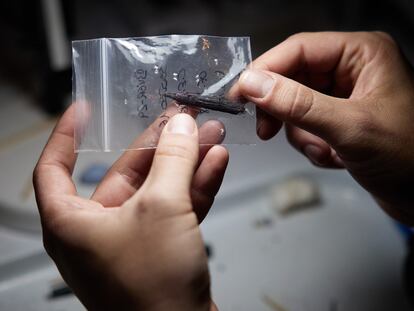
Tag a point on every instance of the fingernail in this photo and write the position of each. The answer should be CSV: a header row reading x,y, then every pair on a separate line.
x,y
256,83
181,123
314,153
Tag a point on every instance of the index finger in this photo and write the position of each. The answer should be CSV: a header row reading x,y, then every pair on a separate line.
x,y
52,175
319,52
322,57
316,52
129,172
175,158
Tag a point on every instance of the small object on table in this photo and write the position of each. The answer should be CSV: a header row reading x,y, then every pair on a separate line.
x,y
216,103
59,289
295,193
94,173
273,304
209,250
263,222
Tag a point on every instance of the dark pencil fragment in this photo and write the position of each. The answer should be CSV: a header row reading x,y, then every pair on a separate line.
x,y
208,102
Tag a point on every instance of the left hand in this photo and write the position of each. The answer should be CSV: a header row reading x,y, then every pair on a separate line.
x,y
136,243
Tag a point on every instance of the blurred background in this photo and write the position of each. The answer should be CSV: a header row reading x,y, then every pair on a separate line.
x,y
345,255
35,53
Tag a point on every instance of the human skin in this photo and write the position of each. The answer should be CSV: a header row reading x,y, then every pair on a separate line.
x,y
347,101
136,243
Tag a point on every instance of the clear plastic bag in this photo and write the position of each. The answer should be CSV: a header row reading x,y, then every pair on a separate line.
x,y
121,87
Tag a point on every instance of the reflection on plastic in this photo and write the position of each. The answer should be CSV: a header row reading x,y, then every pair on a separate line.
x,y
121,87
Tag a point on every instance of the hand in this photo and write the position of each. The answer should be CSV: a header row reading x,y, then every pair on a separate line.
x,y
136,243
347,100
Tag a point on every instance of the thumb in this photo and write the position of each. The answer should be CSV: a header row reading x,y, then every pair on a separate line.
x,y
295,103
176,158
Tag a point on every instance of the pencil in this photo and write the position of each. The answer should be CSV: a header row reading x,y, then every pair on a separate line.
x,y
208,102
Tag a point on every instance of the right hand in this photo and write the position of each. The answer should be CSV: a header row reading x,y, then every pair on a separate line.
x,y
347,100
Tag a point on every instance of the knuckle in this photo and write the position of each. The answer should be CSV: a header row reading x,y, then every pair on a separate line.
x,y
384,36
372,45
297,36
300,100
179,151
366,35
156,196
157,203
150,197
378,39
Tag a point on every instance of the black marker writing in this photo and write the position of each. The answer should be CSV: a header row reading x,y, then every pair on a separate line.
x,y
163,88
182,82
201,79
164,120
141,76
